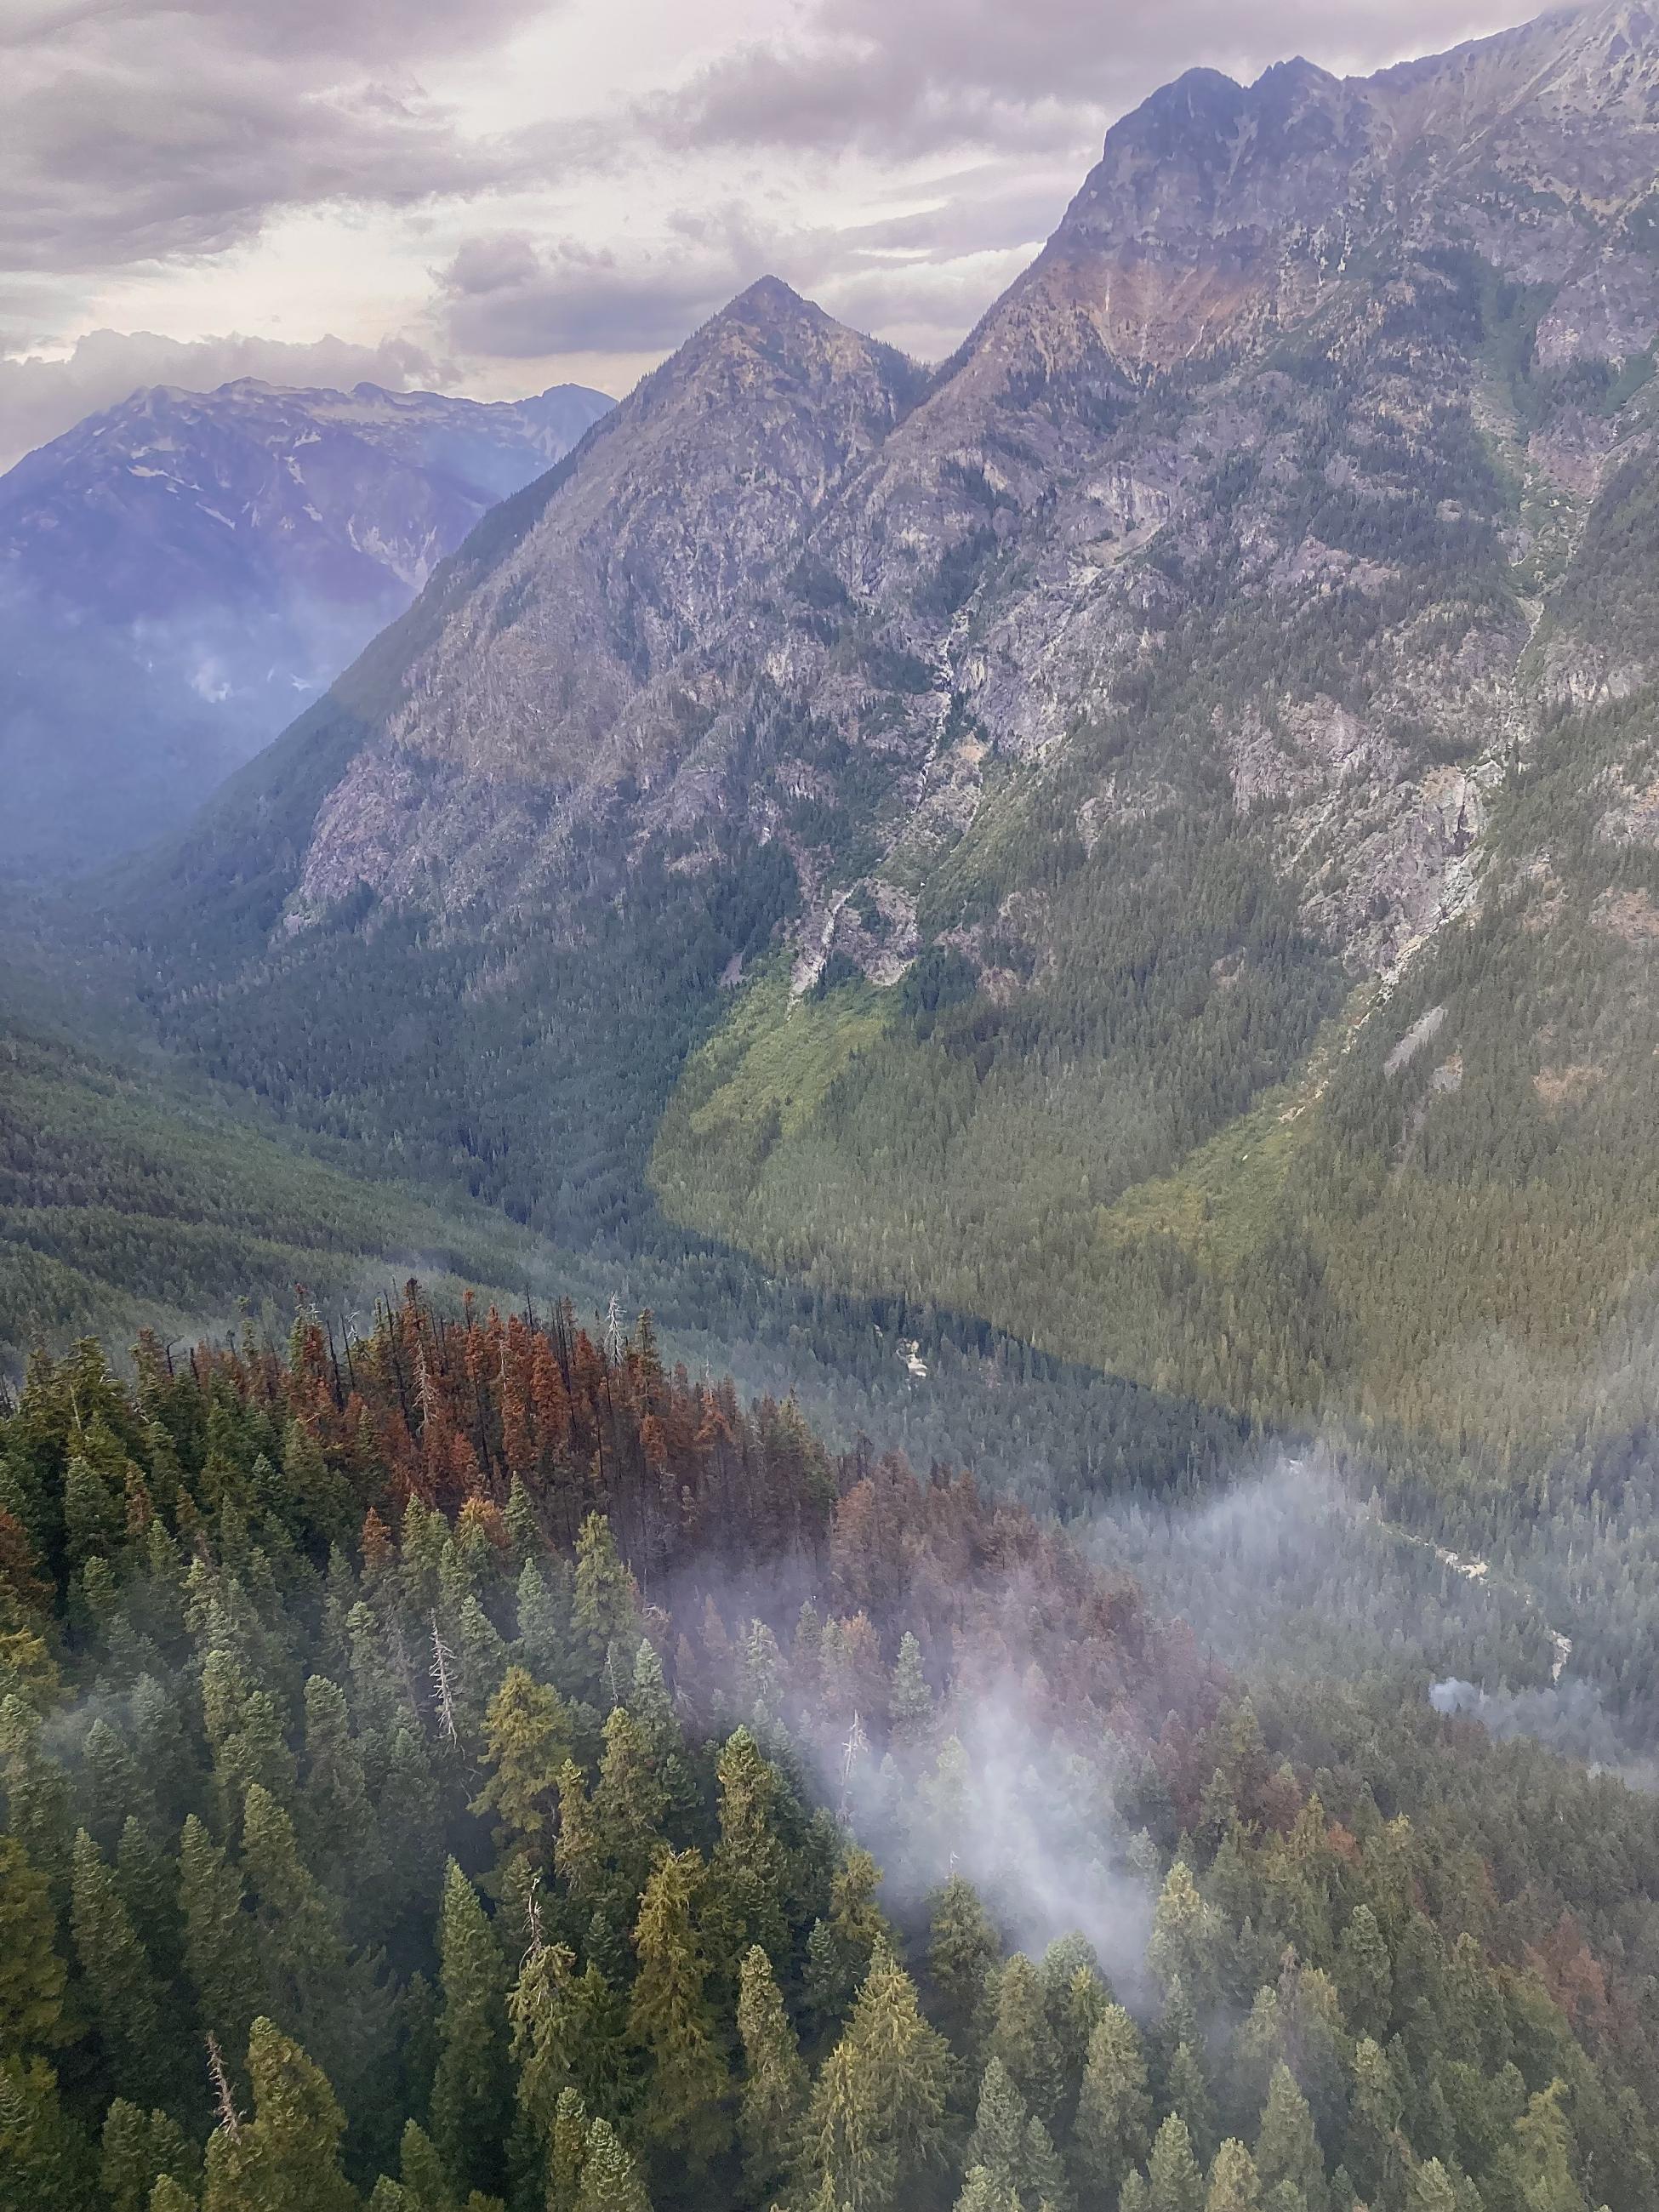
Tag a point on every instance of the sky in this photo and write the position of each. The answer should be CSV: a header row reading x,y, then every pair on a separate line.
x,y
493,196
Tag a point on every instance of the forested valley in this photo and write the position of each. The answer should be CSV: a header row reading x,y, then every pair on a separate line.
x,y
473,1765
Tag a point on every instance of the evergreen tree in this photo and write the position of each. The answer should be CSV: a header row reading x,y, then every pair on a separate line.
x,y
961,1952
1363,1975
1286,2148
287,2157
1174,2183
31,1972
221,1954
843,1943
302,1953
998,2142
567,2152
1235,2186
610,2181
604,1610
1022,2038
749,1873
983,2192
528,1737
629,1806
1429,2189
774,2080
121,1988
669,2018
138,2148
1113,2133
877,2123
335,1816
1187,2092
910,1696
1185,1937
470,2096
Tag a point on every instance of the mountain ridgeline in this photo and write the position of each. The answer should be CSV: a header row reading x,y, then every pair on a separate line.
x,y
179,573
1144,834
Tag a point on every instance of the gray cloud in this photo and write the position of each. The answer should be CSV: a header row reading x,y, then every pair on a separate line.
x,y
39,398
151,131
508,295
907,81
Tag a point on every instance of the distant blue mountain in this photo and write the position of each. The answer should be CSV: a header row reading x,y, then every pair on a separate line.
x,y
180,574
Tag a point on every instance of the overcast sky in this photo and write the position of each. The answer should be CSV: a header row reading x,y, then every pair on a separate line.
x,y
495,195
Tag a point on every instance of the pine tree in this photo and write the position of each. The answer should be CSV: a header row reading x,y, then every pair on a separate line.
x,y
147,1880
425,2186
528,1736
287,2157
567,2152
1429,2189
1544,2144
961,1952
842,1943
1185,1937
470,2097
170,2194
1113,2133
1174,2183
669,2018
604,1610
1022,2037
629,1807
983,2192
878,2120
1187,2092
1365,1975
610,2181
121,1988
543,2015
139,2148
1286,2148
303,1952
774,2084
335,1814
749,1873
910,1696
221,1954
1234,2183
32,1974
998,2142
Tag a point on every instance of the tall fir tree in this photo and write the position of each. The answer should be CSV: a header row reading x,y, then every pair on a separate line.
x,y
123,1994
773,2106
671,2020
471,2092
32,1974
288,2155
1113,2131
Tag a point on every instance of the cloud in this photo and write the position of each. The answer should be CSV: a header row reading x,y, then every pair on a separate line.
x,y
905,82
40,398
152,130
508,295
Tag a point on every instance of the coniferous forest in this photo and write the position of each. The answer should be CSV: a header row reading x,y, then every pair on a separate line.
x,y
474,1765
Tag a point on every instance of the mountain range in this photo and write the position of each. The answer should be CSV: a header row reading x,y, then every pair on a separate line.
x,y
1144,834
178,573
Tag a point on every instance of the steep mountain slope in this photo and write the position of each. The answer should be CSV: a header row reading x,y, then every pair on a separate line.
x,y
176,572
1058,806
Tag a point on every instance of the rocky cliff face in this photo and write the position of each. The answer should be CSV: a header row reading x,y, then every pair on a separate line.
x,y
179,574
621,610
1060,757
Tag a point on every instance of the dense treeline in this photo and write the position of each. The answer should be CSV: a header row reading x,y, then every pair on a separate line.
x,y
440,1770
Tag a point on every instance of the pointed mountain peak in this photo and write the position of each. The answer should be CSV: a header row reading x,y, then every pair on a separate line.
x,y
769,298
